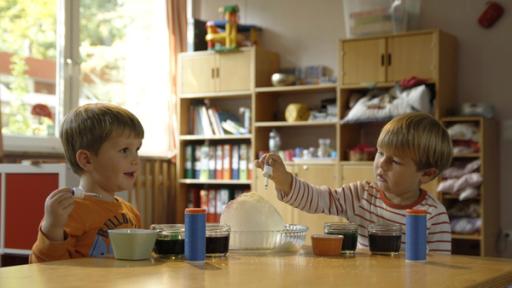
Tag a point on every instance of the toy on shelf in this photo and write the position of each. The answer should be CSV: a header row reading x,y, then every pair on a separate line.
x,y
228,35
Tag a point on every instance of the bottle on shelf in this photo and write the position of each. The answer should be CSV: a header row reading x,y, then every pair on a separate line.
x,y
274,141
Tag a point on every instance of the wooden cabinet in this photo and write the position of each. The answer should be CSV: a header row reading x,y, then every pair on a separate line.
x,y
380,61
23,193
482,243
356,171
203,72
224,82
389,59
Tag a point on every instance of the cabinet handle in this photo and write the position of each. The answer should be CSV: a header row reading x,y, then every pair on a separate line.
x,y
218,72
382,59
389,59
213,72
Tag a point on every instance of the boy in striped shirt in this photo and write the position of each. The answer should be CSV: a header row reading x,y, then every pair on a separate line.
x,y
412,149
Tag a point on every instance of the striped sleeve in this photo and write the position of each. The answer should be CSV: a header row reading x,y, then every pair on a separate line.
x,y
439,233
321,199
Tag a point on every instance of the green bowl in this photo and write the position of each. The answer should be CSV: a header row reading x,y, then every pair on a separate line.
x,y
132,244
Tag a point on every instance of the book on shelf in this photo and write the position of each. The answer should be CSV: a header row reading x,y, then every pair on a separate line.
x,y
211,162
209,121
211,215
204,163
197,161
226,164
217,162
189,161
243,162
235,158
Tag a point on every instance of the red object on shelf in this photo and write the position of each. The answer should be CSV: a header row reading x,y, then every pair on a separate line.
x,y
490,15
412,82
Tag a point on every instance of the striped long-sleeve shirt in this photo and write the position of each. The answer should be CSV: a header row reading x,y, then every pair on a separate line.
x,y
362,203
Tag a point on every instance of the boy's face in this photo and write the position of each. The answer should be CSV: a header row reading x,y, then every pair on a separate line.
x,y
115,165
396,174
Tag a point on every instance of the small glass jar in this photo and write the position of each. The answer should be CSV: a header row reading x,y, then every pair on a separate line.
x,y
217,239
385,238
170,240
349,232
324,147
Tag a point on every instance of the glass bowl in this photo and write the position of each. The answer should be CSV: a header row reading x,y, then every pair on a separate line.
x,y
291,238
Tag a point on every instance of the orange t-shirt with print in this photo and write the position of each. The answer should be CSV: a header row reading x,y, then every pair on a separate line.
x,y
86,232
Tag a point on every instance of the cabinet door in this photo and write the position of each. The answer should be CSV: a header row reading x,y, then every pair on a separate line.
x,y
411,55
321,175
363,61
25,195
197,73
270,195
234,71
357,172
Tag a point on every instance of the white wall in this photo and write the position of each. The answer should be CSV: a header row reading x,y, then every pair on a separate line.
x,y
305,32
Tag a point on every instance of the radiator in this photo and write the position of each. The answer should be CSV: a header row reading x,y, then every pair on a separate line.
x,y
154,191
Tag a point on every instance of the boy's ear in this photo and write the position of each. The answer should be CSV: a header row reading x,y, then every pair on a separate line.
x,y
84,159
428,175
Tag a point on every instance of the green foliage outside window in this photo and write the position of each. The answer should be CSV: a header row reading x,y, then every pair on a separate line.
x,y
28,29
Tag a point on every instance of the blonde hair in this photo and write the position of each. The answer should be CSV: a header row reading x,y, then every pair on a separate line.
x,y
420,137
89,126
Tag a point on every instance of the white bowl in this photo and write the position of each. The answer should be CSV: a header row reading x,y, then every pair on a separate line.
x,y
132,244
292,237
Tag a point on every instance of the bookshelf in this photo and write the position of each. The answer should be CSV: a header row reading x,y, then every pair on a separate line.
x,y
212,161
267,104
482,242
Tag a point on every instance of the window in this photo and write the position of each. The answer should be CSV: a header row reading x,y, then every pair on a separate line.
x,y
109,51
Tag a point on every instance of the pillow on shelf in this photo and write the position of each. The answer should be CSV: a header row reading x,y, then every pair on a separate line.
x,y
393,103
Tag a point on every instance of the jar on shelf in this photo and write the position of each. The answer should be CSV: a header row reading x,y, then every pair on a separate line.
x,y
349,232
385,238
324,147
274,141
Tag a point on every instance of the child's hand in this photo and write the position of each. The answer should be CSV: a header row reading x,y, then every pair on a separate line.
x,y
57,207
281,177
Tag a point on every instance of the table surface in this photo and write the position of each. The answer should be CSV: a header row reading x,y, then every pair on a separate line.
x,y
258,269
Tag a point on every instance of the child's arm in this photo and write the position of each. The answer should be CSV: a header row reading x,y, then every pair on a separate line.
x,y
280,176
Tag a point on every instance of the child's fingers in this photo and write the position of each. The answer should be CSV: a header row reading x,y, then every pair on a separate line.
x,y
68,207
59,192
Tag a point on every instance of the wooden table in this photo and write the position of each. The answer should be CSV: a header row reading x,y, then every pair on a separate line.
x,y
265,270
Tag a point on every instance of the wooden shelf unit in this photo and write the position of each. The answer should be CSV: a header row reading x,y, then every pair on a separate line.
x,y
268,105
489,192
226,81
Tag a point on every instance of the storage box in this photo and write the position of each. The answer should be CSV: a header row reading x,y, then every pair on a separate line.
x,y
374,17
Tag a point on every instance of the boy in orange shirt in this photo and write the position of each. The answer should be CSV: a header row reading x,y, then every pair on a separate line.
x,y
412,150
101,144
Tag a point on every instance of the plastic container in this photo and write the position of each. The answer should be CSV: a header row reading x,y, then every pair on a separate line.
x,y
349,232
170,240
195,234
374,17
416,235
292,237
385,238
217,239
326,245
